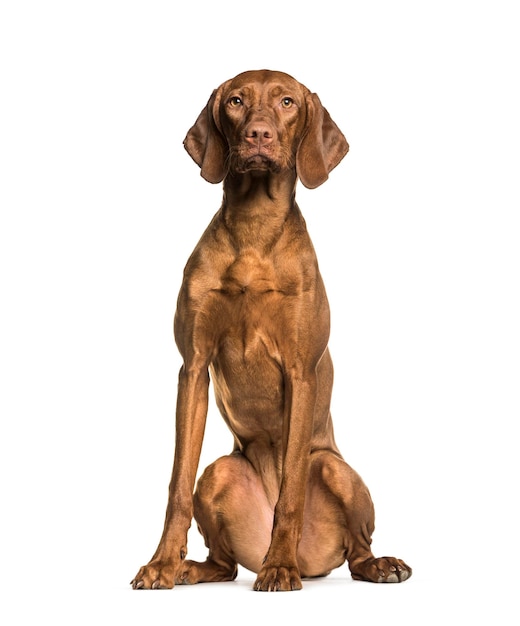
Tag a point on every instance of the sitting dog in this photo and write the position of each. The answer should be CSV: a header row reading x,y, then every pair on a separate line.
x,y
253,312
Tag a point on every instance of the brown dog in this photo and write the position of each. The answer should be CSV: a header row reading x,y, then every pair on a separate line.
x,y
253,311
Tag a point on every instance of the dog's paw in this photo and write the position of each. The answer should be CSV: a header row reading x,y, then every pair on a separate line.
x,y
278,579
192,572
386,569
156,575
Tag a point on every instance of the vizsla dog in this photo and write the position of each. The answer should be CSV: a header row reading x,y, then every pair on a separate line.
x,y
253,312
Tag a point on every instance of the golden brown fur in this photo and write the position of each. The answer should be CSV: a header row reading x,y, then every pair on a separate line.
x,y
253,311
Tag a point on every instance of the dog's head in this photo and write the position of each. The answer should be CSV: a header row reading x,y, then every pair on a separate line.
x,y
265,121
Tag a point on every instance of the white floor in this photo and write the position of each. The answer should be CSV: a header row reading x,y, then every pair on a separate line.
x,y
444,599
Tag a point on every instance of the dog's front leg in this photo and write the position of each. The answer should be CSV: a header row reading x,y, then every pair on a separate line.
x,y
280,570
192,405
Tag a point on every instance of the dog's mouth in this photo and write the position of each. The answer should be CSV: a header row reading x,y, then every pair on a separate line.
x,y
257,162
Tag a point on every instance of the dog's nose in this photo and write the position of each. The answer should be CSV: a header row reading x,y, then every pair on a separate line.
x,y
258,132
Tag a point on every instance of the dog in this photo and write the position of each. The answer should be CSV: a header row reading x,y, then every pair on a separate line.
x,y
252,311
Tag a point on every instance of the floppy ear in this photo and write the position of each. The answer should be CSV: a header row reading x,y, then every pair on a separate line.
x,y
322,146
206,145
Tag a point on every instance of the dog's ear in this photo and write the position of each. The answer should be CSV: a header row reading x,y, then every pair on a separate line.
x,y
322,147
206,145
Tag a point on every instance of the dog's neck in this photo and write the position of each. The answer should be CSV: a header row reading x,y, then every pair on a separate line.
x,y
256,205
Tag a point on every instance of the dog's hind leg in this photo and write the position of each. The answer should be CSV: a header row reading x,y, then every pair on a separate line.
x,y
235,519
342,482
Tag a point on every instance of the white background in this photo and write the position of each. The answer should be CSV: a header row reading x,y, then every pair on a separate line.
x,y
418,241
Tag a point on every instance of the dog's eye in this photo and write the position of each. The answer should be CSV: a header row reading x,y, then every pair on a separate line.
x,y
235,101
287,103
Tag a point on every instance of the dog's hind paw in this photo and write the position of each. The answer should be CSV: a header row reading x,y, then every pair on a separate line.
x,y
386,569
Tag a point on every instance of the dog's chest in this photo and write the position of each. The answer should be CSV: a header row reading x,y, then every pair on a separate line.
x,y
250,274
